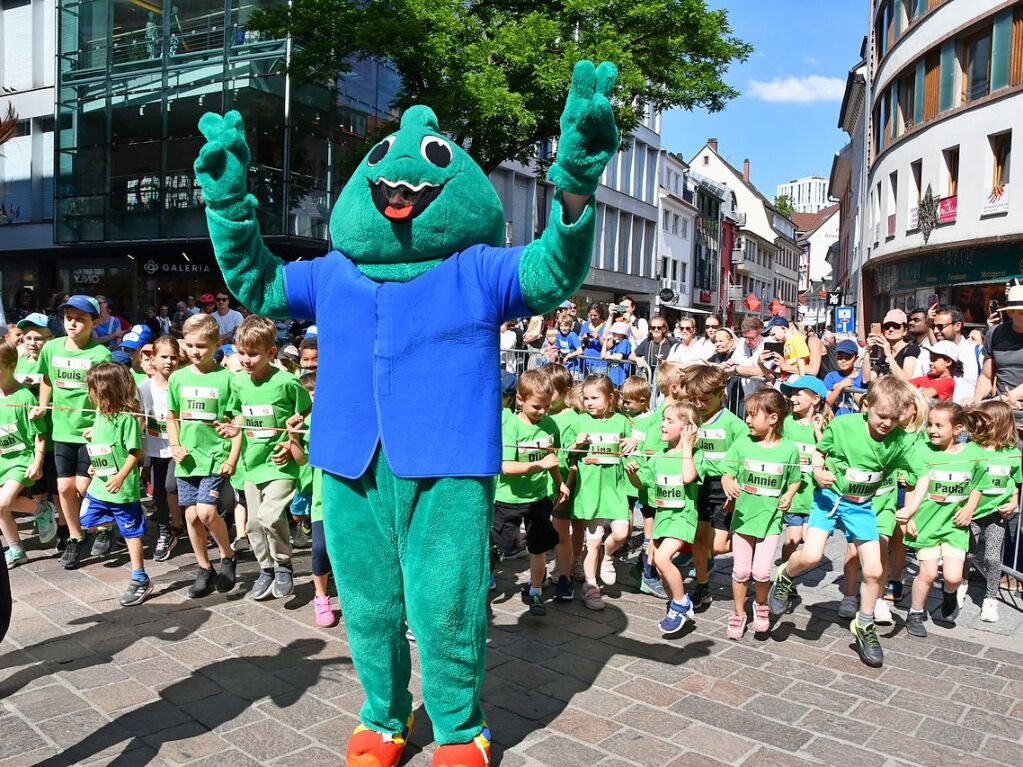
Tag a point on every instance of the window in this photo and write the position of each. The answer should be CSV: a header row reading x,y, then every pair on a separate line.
x,y
675,218
893,202
907,96
1016,49
952,167
1001,147
682,273
976,66
932,84
916,171
684,229
667,221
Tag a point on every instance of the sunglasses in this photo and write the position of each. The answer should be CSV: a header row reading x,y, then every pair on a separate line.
x,y
712,327
658,327
687,329
893,326
940,326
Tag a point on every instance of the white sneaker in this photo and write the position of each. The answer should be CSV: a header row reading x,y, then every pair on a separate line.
x,y
882,613
961,593
608,574
989,611
847,607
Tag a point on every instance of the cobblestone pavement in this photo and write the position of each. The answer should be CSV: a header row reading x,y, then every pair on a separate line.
x,y
230,682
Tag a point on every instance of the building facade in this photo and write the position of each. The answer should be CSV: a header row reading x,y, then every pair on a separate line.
x,y
816,235
945,98
806,195
675,237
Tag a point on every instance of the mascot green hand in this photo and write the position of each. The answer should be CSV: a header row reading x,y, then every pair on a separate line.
x,y
407,412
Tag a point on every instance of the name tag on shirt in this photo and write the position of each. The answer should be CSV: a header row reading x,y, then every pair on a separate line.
x,y
199,403
671,492
10,440
102,458
259,421
805,456
535,449
603,449
70,372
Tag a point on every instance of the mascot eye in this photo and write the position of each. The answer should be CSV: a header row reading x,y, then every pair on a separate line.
x,y
378,152
436,150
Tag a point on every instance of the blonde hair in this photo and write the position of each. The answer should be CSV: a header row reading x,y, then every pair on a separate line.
x,y
668,373
256,332
892,391
635,387
919,420
992,424
534,383
203,324
574,398
685,410
561,379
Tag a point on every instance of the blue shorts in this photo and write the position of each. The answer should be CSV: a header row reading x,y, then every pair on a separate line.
x,y
301,505
130,519
857,520
795,518
205,490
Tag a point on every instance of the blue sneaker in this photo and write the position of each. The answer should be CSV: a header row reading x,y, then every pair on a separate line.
x,y
676,616
563,591
653,587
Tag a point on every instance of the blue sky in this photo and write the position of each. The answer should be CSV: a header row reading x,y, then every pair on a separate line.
x,y
786,119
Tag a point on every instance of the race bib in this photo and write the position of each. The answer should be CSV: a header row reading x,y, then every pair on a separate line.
x,y
948,486
603,449
885,489
999,479
155,427
102,458
639,436
10,440
669,492
805,456
258,421
70,372
763,478
532,451
712,443
199,403
861,485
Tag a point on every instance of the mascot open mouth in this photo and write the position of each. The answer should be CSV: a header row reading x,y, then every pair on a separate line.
x,y
401,201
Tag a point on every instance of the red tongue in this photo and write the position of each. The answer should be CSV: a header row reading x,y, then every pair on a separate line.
x,y
397,214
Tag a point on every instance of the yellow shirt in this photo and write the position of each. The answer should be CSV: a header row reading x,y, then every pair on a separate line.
x,y
796,348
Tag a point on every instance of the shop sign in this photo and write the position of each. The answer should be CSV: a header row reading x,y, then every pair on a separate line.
x,y
86,276
704,296
996,200
992,263
752,303
151,267
947,209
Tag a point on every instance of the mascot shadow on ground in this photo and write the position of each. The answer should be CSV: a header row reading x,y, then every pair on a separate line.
x,y
406,423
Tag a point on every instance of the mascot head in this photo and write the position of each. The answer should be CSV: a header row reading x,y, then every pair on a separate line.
x,y
415,197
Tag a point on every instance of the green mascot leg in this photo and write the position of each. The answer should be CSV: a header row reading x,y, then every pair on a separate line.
x,y
440,582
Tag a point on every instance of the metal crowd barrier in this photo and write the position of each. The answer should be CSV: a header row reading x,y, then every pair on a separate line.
x,y
518,360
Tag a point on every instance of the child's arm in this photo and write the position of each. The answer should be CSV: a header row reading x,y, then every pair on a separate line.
x,y
823,476
113,484
45,391
1010,508
174,438
785,502
35,470
517,468
632,472
964,515
905,514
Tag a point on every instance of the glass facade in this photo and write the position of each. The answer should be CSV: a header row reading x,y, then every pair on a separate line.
x,y
134,76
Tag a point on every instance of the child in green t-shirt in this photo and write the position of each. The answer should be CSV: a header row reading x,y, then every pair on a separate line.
x,y
115,454
601,437
35,333
570,536
803,426
64,363
529,480
938,514
762,476
669,479
263,400
205,446
22,449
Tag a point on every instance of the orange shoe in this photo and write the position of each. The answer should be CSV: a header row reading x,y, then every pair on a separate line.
x,y
367,748
475,753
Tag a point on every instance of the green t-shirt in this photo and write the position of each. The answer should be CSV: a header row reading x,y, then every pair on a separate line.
x,y
563,421
600,488
717,434
18,433
950,479
113,438
804,437
316,507
65,370
139,377
673,500
1002,475
652,442
198,400
858,461
305,471
526,443
265,406
764,474
28,373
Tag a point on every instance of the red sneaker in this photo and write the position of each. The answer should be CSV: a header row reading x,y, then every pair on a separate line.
x,y
367,748
475,753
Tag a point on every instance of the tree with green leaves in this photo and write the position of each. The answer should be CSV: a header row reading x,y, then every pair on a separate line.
x,y
496,71
783,204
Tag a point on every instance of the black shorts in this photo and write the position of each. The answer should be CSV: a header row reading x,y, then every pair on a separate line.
x,y
540,533
648,511
710,504
70,459
46,484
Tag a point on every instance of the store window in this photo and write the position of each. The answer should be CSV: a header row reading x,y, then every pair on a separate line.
x,y
114,279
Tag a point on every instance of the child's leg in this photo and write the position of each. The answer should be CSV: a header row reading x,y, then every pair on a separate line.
x,y
701,550
664,553
851,570
793,537
763,559
923,582
271,518
619,535
563,551
594,539
197,536
211,520
158,476
994,540
319,563
241,513
897,556
810,555
742,568
67,491
870,569
883,541
537,570
135,553
722,541
952,567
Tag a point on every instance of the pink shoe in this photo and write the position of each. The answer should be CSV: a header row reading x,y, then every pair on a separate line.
x,y
736,626
761,618
325,615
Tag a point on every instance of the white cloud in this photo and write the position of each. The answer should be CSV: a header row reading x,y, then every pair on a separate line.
x,y
798,90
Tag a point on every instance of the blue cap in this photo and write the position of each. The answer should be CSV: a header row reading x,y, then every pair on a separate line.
x,y
775,322
86,304
139,335
310,332
508,382
565,305
812,383
847,346
121,358
226,349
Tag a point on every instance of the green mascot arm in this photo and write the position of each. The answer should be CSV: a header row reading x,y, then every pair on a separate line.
x,y
554,266
252,272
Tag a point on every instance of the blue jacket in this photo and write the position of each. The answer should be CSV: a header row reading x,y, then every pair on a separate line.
x,y
414,366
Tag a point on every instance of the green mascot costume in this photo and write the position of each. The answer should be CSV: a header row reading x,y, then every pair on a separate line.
x,y
407,413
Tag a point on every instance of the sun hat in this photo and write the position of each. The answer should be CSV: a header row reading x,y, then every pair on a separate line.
x,y
774,322
86,304
1014,296
621,329
138,336
847,346
36,320
813,383
943,349
896,315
